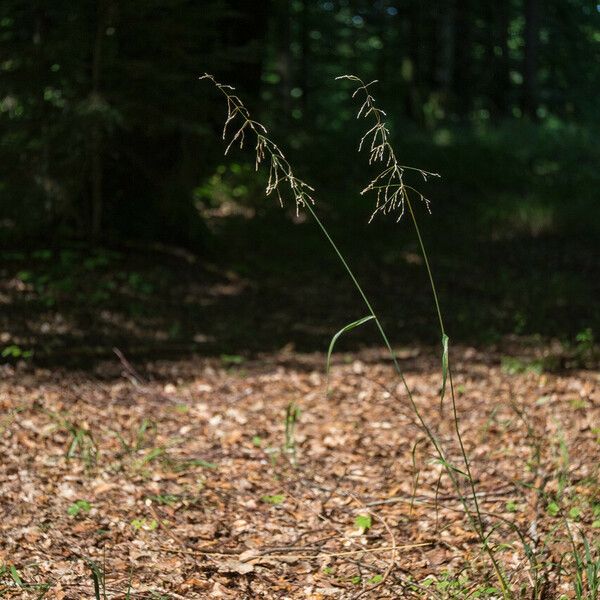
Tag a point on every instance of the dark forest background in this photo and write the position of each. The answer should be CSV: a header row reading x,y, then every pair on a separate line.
x,y
114,192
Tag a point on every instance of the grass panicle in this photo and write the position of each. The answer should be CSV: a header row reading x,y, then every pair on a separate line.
x,y
280,170
392,192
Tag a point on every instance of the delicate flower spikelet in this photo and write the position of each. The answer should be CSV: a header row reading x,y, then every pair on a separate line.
x,y
391,192
280,170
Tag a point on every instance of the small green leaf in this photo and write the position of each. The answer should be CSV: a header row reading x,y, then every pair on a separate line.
x,y
451,467
553,509
596,524
153,454
79,506
511,506
146,525
363,522
344,329
232,359
376,579
575,512
356,579
195,462
257,441
97,577
16,577
274,499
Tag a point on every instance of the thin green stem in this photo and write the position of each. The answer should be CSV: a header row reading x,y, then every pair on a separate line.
x,y
477,523
455,418
392,177
381,331
399,371
427,265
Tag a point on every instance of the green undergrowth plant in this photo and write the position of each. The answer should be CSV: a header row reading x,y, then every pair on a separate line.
x,y
393,195
292,414
81,443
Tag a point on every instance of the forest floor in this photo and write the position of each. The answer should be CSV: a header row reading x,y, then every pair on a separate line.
x,y
180,479
166,431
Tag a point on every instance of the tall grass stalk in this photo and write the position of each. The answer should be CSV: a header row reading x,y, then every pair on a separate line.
x,y
392,194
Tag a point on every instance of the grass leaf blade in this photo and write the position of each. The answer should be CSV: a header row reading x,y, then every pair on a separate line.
x,y
343,330
445,340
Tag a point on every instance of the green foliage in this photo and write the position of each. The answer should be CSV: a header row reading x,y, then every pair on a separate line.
x,y
13,573
97,97
165,499
98,579
102,96
82,445
585,350
150,456
79,507
363,522
144,524
587,570
553,509
292,415
457,587
274,499
514,366
81,440
232,359
233,189
140,438
14,351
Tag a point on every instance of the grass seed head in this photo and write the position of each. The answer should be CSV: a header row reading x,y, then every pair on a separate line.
x,y
240,122
391,192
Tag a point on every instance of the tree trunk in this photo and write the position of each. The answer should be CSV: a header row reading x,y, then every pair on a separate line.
x,y
530,58
96,129
246,31
284,58
502,80
445,43
413,64
462,52
303,81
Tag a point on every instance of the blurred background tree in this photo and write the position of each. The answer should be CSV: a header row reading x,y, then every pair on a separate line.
x,y
107,137
105,132
102,123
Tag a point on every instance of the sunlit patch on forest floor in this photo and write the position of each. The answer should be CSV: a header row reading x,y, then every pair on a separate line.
x,y
186,479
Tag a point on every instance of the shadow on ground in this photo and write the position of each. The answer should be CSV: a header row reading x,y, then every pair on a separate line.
x,y
272,283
